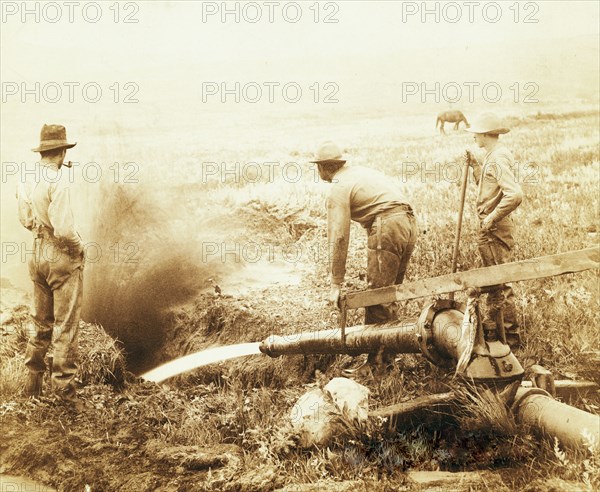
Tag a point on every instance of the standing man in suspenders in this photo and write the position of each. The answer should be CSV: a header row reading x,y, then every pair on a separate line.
x,y
56,267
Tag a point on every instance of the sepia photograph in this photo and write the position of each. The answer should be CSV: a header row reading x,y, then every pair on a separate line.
x,y
300,246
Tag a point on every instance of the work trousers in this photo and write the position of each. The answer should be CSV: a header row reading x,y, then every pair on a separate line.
x,y
495,247
57,296
391,241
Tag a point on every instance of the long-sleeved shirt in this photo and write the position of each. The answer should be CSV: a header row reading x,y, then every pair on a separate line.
x,y
44,199
499,193
359,194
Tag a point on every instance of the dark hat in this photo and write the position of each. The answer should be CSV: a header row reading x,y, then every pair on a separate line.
x,y
53,137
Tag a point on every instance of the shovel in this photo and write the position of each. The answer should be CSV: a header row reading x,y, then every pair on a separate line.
x,y
463,190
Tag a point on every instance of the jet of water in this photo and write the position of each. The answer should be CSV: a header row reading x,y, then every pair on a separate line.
x,y
199,359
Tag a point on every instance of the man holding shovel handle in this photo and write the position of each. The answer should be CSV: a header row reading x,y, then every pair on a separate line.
x,y
498,196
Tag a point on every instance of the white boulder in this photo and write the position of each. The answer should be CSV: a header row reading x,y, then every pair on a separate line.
x,y
317,413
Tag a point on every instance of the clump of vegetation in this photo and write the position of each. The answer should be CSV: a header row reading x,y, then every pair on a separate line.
x,y
580,467
13,340
102,359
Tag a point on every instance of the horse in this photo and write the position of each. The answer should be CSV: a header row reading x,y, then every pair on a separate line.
x,y
450,117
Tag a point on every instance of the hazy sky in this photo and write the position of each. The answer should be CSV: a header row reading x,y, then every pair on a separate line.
x,y
187,33
162,55
168,51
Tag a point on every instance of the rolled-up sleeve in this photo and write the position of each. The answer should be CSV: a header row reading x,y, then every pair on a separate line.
x,y
512,195
338,231
24,205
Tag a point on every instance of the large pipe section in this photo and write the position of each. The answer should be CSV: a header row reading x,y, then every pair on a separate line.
x,y
438,333
535,407
396,337
443,336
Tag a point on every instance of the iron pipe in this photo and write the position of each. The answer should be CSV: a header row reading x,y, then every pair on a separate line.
x,y
548,416
396,336
446,333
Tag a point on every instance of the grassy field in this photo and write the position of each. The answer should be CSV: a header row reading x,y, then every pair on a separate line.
x,y
183,217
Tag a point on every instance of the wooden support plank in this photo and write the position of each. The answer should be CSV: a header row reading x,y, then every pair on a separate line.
x,y
544,266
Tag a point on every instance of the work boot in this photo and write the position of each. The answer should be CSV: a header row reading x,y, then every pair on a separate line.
x,y
33,385
68,396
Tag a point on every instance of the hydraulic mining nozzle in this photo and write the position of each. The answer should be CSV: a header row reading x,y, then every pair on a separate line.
x,y
447,333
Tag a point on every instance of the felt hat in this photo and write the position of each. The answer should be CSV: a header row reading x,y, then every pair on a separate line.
x,y
328,152
53,137
487,123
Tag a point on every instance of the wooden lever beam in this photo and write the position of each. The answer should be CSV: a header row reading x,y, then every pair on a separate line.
x,y
544,266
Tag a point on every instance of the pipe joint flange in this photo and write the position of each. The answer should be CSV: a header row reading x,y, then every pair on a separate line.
x,y
522,394
425,329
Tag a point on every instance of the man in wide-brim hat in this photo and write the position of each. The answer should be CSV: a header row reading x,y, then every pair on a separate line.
x,y
56,266
53,137
499,194
370,198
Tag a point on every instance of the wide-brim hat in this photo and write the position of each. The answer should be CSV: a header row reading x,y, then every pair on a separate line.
x,y
487,123
328,153
53,137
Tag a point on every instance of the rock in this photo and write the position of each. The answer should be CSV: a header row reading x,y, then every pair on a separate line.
x,y
317,415
312,417
350,397
441,481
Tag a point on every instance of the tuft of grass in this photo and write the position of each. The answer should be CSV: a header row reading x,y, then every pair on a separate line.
x,y
483,409
12,377
13,340
102,360
583,467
